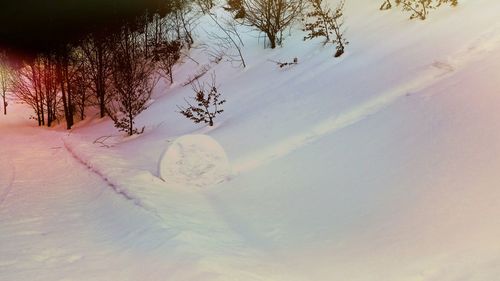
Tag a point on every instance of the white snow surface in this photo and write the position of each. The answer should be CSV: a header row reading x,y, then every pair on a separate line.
x,y
381,165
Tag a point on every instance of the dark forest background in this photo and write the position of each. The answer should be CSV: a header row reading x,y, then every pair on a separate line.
x,y
62,57
32,26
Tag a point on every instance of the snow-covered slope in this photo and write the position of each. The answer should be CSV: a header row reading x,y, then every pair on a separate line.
x,y
380,165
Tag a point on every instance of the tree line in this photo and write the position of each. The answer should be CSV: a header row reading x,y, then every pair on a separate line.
x,y
112,69
115,68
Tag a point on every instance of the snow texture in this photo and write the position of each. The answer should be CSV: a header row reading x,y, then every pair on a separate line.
x,y
380,165
195,159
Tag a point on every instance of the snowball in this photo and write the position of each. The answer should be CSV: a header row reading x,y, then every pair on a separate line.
x,y
194,160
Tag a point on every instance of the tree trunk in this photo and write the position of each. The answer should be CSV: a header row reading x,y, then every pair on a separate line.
x,y
82,109
62,82
4,105
131,124
171,76
69,118
272,39
101,90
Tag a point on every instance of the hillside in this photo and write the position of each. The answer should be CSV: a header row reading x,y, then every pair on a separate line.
x,y
378,165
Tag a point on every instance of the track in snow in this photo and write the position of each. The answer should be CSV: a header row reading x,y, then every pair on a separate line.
x,y
10,183
58,221
436,71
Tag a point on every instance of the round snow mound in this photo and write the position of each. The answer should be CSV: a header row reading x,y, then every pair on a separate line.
x,y
194,160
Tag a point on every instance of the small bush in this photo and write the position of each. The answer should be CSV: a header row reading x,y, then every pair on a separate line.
x,y
419,9
327,23
208,101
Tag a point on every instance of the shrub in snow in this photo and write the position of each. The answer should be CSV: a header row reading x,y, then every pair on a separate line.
x,y
283,64
327,23
419,8
208,101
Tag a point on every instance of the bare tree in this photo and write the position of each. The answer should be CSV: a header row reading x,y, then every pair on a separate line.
x,y
182,20
229,40
80,84
133,80
65,72
272,17
167,54
35,84
49,87
97,53
24,92
5,80
36,80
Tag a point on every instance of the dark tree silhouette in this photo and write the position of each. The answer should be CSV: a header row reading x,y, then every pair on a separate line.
x,y
5,80
97,58
133,80
167,54
36,85
64,75
80,84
